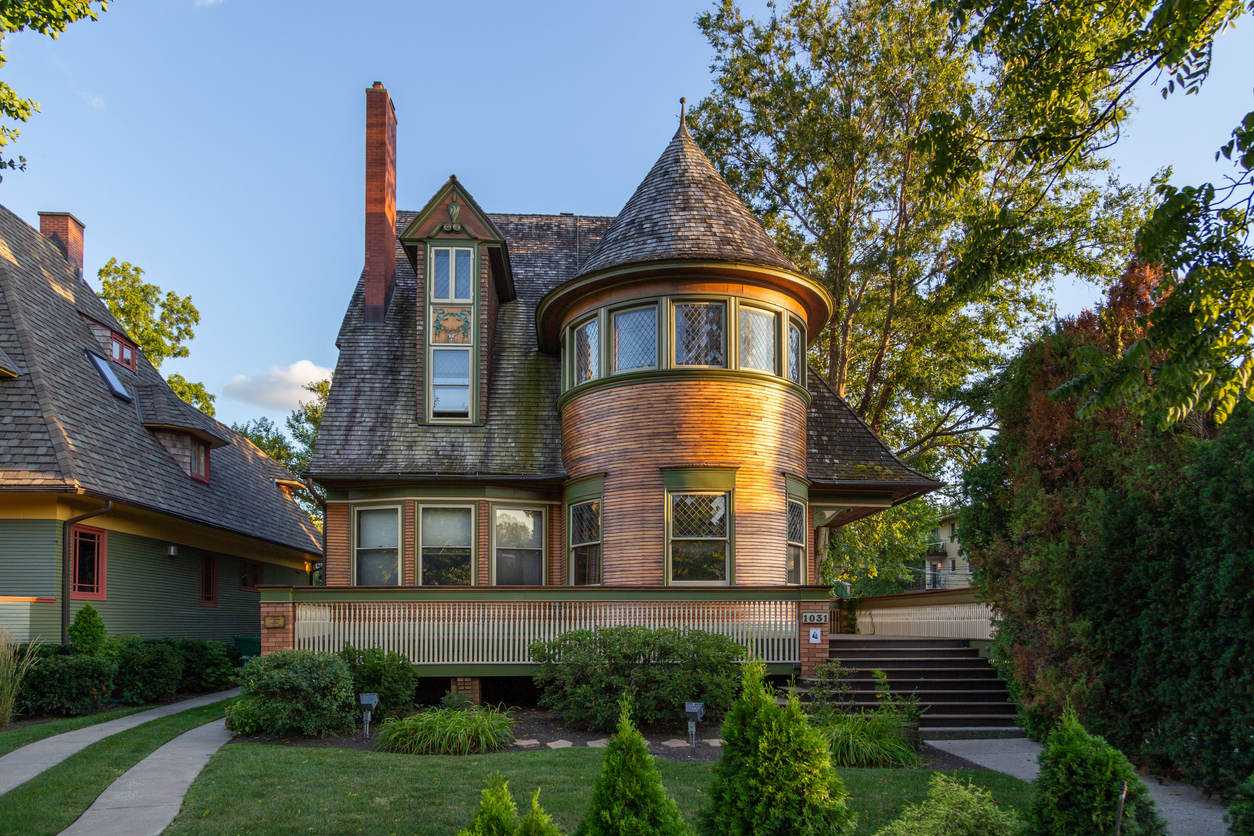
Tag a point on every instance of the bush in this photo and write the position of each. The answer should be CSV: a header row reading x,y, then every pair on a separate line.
x,y
388,674
455,700
585,673
628,797
243,715
88,632
448,731
73,685
207,666
775,774
498,815
1078,788
149,672
1240,815
866,739
15,662
113,646
953,808
299,692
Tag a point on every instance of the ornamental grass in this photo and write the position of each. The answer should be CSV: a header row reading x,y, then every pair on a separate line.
x,y
867,740
15,661
448,731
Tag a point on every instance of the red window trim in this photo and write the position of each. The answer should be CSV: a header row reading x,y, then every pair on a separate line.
x,y
102,557
253,575
197,446
210,561
125,343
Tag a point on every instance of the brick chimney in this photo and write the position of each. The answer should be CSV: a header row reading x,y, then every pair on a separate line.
x,y
66,231
380,272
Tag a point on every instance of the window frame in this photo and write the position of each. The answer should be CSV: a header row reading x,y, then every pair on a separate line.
x,y
575,328
102,563
400,540
571,545
430,302
252,574
493,507
210,562
793,322
199,446
774,314
729,563
473,507
803,544
659,336
104,368
123,344
672,342
452,249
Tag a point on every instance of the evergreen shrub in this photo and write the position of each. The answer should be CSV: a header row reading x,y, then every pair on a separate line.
x,y
388,674
585,673
149,671
498,815
67,684
1240,815
88,632
207,666
299,692
953,808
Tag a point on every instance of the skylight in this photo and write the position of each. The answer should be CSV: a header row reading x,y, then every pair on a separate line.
x,y
110,379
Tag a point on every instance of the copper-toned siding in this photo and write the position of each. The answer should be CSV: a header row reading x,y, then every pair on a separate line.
x,y
408,552
484,546
631,432
557,544
338,563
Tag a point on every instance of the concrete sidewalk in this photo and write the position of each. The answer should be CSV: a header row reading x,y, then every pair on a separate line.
x,y
1187,811
146,799
20,765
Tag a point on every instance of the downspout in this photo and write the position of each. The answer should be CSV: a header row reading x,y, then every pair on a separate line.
x,y
67,567
321,503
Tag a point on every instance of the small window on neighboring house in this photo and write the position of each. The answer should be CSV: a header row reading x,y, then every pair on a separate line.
x,y
519,539
699,537
447,546
953,565
88,561
587,352
794,569
796,355
757,340
585,543
209,580
701,334
124,352
109,376
200,460
251,575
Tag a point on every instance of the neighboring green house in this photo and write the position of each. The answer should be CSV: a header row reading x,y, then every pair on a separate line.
x,y
168,519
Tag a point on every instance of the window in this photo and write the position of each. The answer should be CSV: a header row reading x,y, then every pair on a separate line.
x,y
587,351
209,580
88,546
699,537
585,543
453,274
450,383
757,340
519,541
796,355
252,574
699,334
451,333
447,546
124,352
200,460
953,565
635,339
795,566
109,376
378,551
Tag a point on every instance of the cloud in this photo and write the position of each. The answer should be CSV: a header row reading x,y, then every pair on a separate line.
x,y
280,388
95,101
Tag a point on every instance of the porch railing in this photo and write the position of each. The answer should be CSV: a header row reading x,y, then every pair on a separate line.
x,y
951,614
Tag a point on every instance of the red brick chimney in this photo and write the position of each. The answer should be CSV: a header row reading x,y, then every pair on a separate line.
x,y
66,231
380,273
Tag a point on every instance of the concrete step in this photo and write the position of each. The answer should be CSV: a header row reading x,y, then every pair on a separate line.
x,y
970,733
859,657
922,662
967,720
859,642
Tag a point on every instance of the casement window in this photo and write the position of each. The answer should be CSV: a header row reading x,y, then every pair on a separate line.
x,y
453,274
757,338
124,352
109,377
446,537
587,351
795,565
209,580
89,550
450,383
699,537
518,544
200,460
251,575
701,334
451,334
796,355
635,339
585,543
378,554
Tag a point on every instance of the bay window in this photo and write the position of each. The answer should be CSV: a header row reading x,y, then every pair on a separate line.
x,y
699,537
757,339
447,546
795,564
585,543
518,538
700,334
635,339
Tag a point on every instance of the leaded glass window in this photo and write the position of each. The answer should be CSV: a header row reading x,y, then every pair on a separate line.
x,y
451,322
699,537
519,547
587,351
757,340
378,547
635,339
700,334
794,569
446,546
585,543
796,355
453,274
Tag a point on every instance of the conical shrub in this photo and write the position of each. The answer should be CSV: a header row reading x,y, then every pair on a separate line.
x,y
497,814
537,822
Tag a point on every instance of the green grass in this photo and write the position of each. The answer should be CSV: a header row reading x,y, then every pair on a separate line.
x,y
51,801
274,790
11,739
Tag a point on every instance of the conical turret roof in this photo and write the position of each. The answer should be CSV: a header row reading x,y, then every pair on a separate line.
x,y
684,210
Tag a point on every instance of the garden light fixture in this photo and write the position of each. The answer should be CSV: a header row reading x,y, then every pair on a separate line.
x,y
368,702
695,711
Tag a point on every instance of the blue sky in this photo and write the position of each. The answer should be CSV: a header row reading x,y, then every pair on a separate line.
x,y
219,143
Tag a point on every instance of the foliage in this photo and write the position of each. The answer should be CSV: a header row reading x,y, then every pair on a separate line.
x,y
388,674
953,808
628,797
875,554
448,731
269,439
498,815
149,672
47,17
1078,788
452,699
207,666
585,673
114,644
300,692
1240,815
866,739
302,426
1067,73
15,662
62,684
88,632
831,689
192,393
243,715
775,774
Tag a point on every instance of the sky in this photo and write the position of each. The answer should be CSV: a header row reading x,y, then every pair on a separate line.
x,y
219,144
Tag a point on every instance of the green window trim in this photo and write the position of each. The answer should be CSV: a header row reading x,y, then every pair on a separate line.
x,y
543,511
797,488
587,544
796,543
587,487
473,508
472,301
729,537
699,478
358,510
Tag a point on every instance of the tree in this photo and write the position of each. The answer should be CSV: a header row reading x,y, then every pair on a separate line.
x,y
47,17
305,420
302,425
269,439
1067,72
159,326
877,554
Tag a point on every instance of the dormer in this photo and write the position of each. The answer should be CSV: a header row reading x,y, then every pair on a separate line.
x,y
116,345
180,430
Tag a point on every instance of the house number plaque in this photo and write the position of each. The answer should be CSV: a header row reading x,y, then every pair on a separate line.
x,y
275,621
814,618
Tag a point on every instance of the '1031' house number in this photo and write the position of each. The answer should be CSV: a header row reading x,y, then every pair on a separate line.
x,y
814,618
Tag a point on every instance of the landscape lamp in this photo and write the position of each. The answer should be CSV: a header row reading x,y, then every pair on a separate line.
x,y
368,702
695,711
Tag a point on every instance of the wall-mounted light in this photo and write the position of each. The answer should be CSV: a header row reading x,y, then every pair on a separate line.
x,y
172,551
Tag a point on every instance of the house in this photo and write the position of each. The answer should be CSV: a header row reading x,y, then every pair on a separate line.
x,y
113,491
543,422
944,566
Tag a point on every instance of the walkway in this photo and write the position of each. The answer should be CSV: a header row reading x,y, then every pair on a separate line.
x,y
1187,811
20,765
146,799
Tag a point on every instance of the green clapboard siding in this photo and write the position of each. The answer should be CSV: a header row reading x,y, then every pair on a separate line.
x,y
29,555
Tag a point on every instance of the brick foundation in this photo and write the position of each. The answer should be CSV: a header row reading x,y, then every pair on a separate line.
x,y
813,654
277,638
467,686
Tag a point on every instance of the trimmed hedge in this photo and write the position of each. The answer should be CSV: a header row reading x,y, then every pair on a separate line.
x,y
298,692
207,666
390,675
149,672
67,684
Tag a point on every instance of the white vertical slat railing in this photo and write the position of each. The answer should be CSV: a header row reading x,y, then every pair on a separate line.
x,y
953,621
501,632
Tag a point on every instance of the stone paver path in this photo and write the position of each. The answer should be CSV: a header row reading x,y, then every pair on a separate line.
x,y
559,744
20,765
146,799
1187,811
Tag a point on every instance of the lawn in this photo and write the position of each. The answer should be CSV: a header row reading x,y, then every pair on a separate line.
x,y
272,790
50,802
11,739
